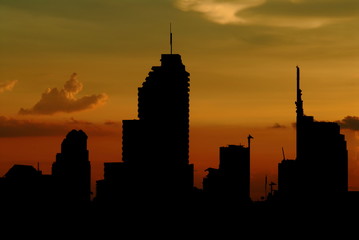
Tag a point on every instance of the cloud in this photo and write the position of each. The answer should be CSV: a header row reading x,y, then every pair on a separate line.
x,y
64,100
277,13
12,127
349,122
7,86
223,12
277,125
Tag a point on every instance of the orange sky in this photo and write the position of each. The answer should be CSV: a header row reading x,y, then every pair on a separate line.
x,y
241,56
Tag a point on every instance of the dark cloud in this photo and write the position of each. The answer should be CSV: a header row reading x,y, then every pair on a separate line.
x,y
349,122
277,125
12,127
65,100
7,86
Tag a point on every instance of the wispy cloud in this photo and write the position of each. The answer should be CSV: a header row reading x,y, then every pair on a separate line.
x,y
64,100
7,86
223,12
277,13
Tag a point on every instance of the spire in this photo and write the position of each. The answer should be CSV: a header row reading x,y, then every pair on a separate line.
x,y
299,102
300,115
171,37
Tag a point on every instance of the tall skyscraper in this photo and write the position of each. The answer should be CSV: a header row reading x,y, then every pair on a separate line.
x,y
157,144
155,147
321,167
72,168
163,104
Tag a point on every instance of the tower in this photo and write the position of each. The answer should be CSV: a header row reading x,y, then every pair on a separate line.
x,y
155,147
300,116
163,107
235,168
72,169
320,171
231,181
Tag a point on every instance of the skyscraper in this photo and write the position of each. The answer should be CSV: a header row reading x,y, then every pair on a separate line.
x,y
321,153
157,144
72,168
321,167
163,104
155,147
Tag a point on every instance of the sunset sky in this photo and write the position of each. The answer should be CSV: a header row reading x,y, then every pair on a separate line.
x,y
77,65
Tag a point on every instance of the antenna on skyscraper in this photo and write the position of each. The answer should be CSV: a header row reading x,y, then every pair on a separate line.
x,y
265,187
171,37
249,141
283,153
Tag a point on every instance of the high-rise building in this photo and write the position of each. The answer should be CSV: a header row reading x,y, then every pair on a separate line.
x,y
72,168
232,179
155,147
163,111
157,144
235,166
321,166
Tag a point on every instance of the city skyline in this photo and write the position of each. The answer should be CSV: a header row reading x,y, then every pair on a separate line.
x,y
155,172
241,75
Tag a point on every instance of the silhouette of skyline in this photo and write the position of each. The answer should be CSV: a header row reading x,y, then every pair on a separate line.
x,y
155,170
240,75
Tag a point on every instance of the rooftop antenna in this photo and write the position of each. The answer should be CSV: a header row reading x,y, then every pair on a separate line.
x,y
283,153
38,168
265,187
249,140
171,37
